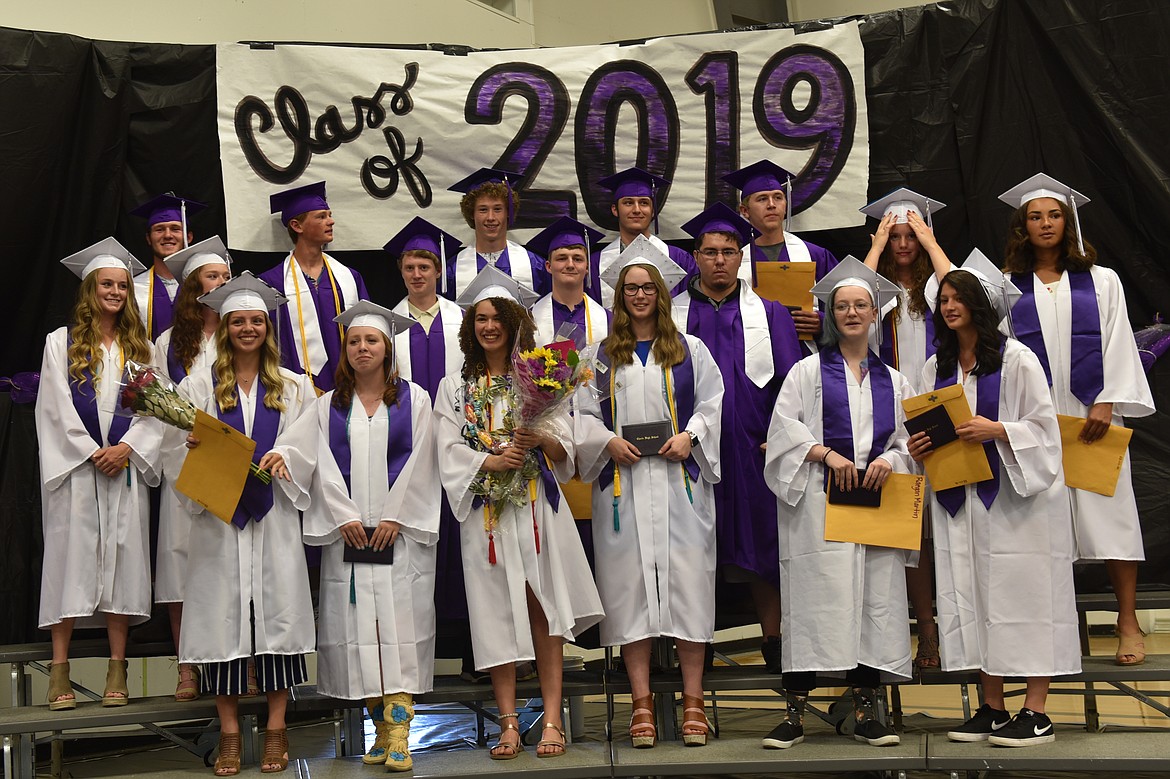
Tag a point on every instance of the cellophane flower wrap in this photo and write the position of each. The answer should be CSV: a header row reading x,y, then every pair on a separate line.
x,y
145,391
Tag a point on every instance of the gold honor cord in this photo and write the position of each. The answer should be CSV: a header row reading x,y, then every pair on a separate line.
x,y
150,303
668,384
294,269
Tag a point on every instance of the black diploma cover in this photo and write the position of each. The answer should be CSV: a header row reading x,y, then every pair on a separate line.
x,y
368,555
936,423
648,437
858,496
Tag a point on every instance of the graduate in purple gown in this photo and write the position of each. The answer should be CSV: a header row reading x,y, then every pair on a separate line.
x,y
765,192
636,203
167,232
489,207
754,342
317,286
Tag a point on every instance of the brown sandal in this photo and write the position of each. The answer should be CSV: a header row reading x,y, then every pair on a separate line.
x,y
188,687
116,694
275,751
641,720
695,704
228,762
548,743
513,749
60,687
927,656
1131,646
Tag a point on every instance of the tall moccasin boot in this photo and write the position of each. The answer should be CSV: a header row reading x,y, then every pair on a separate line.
x,y
399,709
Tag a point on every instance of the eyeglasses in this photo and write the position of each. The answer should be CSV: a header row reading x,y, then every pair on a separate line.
x,y
649,289
860,307
726,254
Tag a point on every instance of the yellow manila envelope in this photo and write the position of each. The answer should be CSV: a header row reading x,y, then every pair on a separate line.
x,y
215,471
896,523
579,495
956,463
788,283
1092,467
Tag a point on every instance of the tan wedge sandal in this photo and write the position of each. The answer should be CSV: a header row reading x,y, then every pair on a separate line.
x,y
693,704
116,694
60,688
643,728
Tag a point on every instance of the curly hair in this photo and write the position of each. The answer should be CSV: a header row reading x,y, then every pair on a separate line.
x,y
344,379
920,272
620,343
1019,256
516,321
988,357
224,368
492,189
129,330
187,325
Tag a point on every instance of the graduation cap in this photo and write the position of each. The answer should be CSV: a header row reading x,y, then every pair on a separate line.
x,y
243,293
762,176
419,235
291,203
635,182
901,202
106,253
491,282
365,313
1043,185
642,252
168,207
852,272
719,218
206,252
488,176
1001,292
565,231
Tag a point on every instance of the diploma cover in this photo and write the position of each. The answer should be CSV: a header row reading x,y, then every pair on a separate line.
x,y
648,437
368,554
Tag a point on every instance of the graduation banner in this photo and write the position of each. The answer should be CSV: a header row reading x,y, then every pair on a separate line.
x,y
390,129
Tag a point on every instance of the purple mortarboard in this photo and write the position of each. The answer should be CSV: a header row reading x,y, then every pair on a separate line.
x,y
168,208
719,218
419,235
565,231
635,182
489,176
762,176
291,203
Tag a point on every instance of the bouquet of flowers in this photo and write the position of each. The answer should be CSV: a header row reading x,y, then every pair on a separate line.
x,y
147,392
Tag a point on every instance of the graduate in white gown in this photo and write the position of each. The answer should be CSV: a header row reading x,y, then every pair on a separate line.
x,y
186,346
95,468
529,587
375,487
1003,547
654,515
1073,316
247,614
839,416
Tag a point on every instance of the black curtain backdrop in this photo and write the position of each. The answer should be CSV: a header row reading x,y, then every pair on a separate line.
x,y
964,102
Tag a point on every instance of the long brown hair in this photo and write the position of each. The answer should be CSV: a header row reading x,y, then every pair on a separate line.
x,y
187,325
1020,257
516,321
920,272
345,380
988,358
225,367
619,344
129,331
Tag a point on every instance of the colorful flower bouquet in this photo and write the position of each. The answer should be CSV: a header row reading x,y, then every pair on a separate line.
x,y
147,392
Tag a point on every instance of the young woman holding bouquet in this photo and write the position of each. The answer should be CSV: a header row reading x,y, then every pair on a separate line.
x,y
375,487
528,583
654,515
186,346
95,468
247,593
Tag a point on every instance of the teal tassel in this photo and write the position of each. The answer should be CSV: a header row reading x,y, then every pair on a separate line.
x,y
617,525
352,587
687,482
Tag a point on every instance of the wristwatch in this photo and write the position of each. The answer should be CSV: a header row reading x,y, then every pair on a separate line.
x,y
694,438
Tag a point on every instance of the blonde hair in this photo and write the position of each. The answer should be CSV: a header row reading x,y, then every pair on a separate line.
x,y
224,368
619,345
129,331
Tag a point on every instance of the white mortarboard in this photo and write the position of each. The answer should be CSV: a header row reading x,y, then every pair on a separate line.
x,y
642,252
491,282
900,202
243,293
106,253
1043,185
851,272
1000,290
367,314
207,252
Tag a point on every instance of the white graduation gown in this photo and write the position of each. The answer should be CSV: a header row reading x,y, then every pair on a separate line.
x,y
1106,528
1006,603
596,321
174,520
96,527
559,575
662,535
265,562
842,604
384,641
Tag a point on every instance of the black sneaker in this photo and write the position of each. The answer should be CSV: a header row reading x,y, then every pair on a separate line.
x,y
784,735
771,652
875,734
1026,729
986,722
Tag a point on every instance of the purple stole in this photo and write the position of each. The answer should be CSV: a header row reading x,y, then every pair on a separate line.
x,y
987,406
174,367
162,308
835,417
889,345
256,500
399,444
323,299
1087,370
85,403
684,407
428,356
